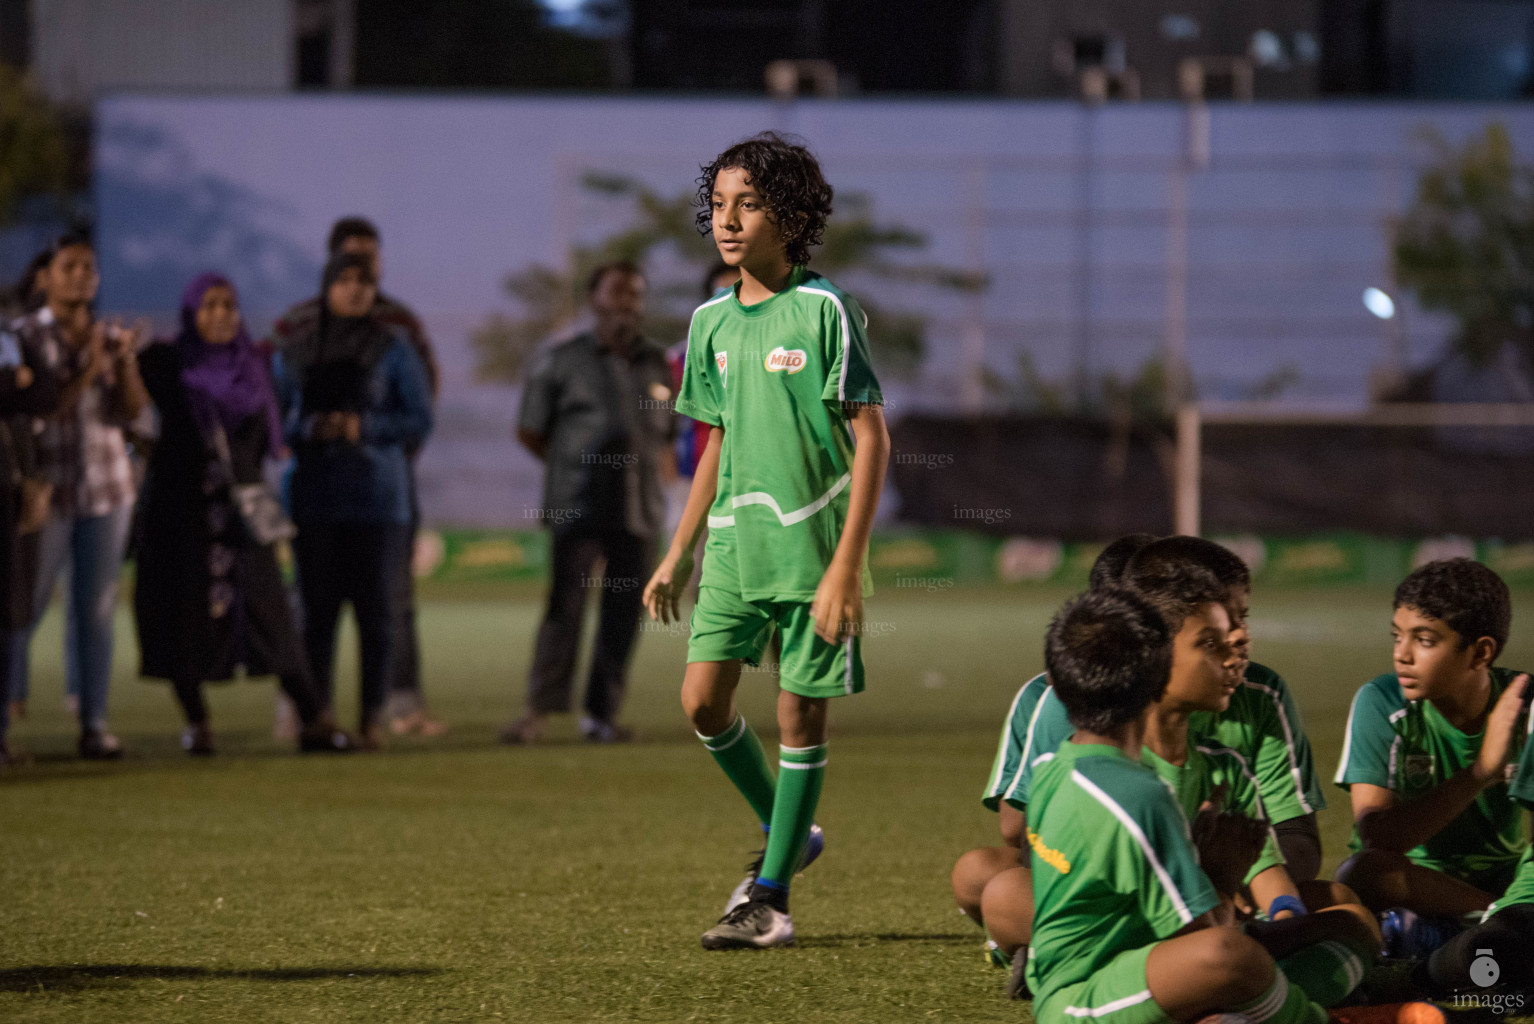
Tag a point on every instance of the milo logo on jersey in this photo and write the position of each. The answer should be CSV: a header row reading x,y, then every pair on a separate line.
x,y
786,360
721,361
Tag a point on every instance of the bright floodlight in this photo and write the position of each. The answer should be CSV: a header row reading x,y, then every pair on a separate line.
x,y
1380,304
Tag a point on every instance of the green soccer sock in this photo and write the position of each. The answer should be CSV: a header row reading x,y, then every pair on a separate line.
x,y
1328,971
801,770
1282,1003
740,754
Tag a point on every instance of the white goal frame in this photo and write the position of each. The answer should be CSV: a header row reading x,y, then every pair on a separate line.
x,y
1188,466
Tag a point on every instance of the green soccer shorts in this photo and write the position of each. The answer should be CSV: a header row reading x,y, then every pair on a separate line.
x,y
725,626
1118,993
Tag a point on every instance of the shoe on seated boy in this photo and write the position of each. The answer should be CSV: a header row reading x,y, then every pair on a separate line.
x,y
1128,928
975,869
1427,753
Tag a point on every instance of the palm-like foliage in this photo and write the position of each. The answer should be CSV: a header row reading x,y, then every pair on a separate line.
x,y
547,298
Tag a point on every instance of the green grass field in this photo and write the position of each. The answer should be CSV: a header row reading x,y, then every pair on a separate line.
x,y
456,880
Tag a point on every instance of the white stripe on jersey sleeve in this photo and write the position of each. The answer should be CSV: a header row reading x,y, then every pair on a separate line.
x,y
1162,875
841,384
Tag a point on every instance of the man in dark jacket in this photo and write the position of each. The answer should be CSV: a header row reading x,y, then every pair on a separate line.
x,y
597,411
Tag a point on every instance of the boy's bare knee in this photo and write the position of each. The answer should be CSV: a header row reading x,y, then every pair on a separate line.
x,y
1373,877
1007,907
1235,962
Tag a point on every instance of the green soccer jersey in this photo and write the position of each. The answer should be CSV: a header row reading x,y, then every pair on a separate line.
x,y
1114,868
1409,748
775,375
1263,725
1207,767
1522,791
1014,749
1209,764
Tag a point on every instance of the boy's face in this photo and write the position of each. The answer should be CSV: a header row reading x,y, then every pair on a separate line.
x,y
742,231
1431,659
1203,661
1239,606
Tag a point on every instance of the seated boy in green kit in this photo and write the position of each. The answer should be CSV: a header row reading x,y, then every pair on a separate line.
x,y
1128,927
1203,675
1427,753
977,867
1506,932
1262,722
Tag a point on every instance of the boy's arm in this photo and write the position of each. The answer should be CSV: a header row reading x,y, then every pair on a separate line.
x,y
662,595
1385,823
838,605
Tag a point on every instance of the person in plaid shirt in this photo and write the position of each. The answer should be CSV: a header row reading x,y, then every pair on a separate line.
x,y
83,453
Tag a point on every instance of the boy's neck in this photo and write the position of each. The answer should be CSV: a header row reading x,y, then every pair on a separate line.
x,y
1128,738
1467,707
1166,733
758,284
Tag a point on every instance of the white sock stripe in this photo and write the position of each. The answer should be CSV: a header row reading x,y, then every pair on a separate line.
x,y
738,727
801,750
795,764
1350,961
1271,1003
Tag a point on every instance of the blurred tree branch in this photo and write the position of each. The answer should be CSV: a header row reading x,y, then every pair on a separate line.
x,y
34,157
1466,245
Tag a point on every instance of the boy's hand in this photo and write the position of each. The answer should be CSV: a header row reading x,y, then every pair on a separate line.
x,y
838,605
663,594
1501,728
1228,844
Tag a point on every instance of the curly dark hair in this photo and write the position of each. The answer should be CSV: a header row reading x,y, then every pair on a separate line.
x,y
1463,594
785,172
1109,654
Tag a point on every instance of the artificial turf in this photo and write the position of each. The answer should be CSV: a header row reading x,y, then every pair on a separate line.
x,y
457,880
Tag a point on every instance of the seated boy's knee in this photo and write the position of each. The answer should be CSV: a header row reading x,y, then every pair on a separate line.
x,y
1006,904
1372,876
1361,929
1235,962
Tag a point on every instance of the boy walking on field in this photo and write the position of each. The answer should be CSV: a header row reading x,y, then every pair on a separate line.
x,y
778,367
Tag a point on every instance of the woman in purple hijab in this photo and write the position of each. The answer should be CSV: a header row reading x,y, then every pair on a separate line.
x,y
209,599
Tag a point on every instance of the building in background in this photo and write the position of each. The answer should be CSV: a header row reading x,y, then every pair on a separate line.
x,y
75,49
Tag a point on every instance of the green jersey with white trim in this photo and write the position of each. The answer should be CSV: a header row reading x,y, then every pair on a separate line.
x,y
1209,764
775,375
1522,790
1114,867
1263,725
1207,767
1014,750
1408,747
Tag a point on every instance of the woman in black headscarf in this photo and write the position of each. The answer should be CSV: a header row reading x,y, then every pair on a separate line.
x,y
354,398
209,597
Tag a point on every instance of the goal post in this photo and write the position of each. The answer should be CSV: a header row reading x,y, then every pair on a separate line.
x,y
1193,417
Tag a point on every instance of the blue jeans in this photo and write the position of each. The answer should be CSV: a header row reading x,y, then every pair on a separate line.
x,y
93,548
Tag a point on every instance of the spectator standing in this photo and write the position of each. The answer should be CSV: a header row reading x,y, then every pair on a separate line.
x,y
359,236
597,410
209,597
29,388
354,398
83,456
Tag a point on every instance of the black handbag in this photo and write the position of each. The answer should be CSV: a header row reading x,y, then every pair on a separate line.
x,y
260,512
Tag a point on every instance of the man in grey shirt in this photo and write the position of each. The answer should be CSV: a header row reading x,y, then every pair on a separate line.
x,y
597,410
